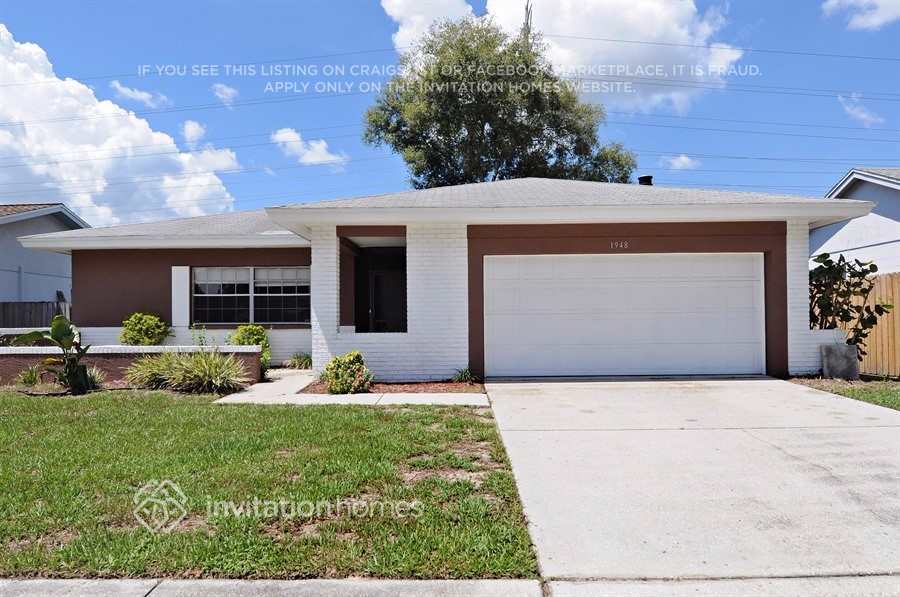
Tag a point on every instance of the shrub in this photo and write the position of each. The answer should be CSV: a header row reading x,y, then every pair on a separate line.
x,y
464,376
152,372
839,293
347,374
253,335
96,377
30,376
196,373
299,360
144,329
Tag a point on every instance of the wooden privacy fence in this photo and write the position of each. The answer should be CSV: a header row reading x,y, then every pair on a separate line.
x,y
31,314
883,344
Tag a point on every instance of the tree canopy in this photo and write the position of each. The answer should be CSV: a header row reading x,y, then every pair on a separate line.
x,y
472,103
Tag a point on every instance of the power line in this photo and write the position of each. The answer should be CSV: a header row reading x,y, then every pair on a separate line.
x,y
744,131
212,106
766,122
205,141
808,53
61,190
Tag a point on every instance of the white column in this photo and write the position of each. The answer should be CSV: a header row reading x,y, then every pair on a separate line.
x,y
803,347
324,292
181,296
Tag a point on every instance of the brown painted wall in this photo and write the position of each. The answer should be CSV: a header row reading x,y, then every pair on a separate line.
x,y
767,238
110,285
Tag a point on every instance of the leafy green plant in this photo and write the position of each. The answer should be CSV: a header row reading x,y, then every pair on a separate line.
x,y
299,360
29,376
144,329
464,376
253,335
96,377
347,374
69,371
195,373
198,335
839,292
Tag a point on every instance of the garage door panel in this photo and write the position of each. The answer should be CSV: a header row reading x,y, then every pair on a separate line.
x,y
623,314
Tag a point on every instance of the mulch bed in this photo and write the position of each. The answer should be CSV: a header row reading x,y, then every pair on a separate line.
x,y
432,387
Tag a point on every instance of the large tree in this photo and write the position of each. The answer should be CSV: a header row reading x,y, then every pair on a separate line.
x,y
472,103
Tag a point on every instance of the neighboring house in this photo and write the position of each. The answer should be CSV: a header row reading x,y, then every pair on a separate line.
x,y
875,237
510,278
27,274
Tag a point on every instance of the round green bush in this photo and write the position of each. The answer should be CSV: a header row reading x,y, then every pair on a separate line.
x,y
144,329
253,335
347,374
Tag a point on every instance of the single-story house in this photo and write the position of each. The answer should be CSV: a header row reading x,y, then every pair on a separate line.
x,y
874,237
27,275
528,277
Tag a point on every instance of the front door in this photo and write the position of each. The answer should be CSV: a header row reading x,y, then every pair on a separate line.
x,y
387,301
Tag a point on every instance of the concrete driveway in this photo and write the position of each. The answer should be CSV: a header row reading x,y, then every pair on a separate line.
x,y
711,479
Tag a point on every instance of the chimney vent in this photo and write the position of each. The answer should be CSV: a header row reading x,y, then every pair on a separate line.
x,y
646,180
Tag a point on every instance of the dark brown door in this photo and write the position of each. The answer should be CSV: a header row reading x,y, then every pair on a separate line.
x,y
387,301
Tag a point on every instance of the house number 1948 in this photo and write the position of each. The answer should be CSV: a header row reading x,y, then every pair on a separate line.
x,y
618,244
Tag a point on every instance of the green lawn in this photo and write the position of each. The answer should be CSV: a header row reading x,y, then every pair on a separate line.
x,y
70,467
882,393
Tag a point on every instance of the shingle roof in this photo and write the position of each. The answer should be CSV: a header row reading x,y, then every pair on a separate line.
x,y
886,172
241,223
544,192
11,209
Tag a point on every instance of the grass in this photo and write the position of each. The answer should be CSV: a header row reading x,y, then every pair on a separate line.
x,y
70,467
881,392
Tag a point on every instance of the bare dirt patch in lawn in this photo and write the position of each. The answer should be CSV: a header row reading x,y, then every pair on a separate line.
x,y
425,387
47,541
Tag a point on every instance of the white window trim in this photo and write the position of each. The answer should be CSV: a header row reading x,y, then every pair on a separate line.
x,y
251,294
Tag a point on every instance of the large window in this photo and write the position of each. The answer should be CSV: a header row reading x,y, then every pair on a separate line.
x,y
250,295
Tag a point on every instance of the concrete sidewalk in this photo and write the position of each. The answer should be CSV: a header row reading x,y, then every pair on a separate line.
x,y
268,588
286,384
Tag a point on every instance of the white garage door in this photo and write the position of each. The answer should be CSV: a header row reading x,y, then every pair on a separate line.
x,y
654,314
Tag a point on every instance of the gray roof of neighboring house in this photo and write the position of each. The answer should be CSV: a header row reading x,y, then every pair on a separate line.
x,y
886,172
240,223
13,212
544,192
19,208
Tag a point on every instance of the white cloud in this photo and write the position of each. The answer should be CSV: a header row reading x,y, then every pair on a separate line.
x,y
681,162
415,16
148,98
225,93
80,161
854,109
865,14
193,132
308,153
662,21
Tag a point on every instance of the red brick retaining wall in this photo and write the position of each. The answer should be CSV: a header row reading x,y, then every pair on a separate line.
x,y
112,363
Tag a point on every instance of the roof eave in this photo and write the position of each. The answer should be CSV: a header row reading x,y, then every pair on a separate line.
x,y
816,213
49,242
861,175
62,211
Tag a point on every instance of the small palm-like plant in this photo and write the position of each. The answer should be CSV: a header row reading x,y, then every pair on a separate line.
x,y
69,371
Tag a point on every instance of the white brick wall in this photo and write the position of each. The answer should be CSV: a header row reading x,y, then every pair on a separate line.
x,y
284,342
803,343
436,343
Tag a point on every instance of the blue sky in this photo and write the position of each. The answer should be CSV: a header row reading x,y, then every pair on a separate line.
x,y
111,40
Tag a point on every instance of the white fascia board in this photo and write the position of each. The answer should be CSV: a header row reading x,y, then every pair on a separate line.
x,y
817,213
859,175
65,244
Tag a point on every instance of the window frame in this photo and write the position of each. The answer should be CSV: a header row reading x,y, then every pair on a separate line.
x,y
251,294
